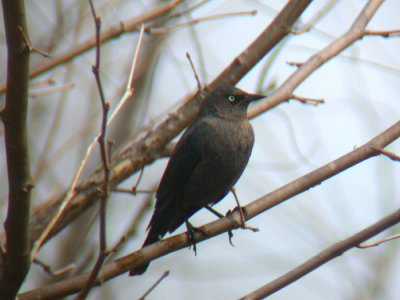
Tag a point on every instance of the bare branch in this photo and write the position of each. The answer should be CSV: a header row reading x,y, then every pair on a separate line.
x,y
309,101
49,271
57,89
295,63
16,259
377,243
163,276
194,71
151,30
105,191
384,33
391,155
301,31
28,44
323,257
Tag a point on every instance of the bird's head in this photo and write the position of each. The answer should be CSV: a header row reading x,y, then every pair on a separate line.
x,y
227,102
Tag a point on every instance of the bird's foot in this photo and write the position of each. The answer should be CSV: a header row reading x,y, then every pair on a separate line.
x,y
190,232
239,207
219,215
243,216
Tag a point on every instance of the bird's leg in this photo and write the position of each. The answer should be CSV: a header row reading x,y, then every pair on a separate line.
x,y
241,213
191,230
219,215
190,233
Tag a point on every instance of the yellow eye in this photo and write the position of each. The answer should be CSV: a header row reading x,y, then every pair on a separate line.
x,y
231,98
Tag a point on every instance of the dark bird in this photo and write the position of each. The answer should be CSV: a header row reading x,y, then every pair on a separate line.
x,y
205,164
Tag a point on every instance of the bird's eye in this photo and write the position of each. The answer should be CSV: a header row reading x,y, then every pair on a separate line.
x,y
231,98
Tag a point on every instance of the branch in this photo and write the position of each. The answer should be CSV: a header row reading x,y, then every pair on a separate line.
x,y
151,147
163,276
174,243
391,155
384,33
325,256
377,243
195,21
110,33
356,32
17,256
105,191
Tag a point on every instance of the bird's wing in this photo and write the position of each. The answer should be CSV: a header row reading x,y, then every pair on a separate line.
x,y
183,161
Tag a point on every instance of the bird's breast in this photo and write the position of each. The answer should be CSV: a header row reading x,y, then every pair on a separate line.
x,y
232,139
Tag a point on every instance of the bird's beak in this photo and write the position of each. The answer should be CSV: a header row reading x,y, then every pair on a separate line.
x,y
252,97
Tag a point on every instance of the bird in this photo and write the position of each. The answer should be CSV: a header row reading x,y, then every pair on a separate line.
x,y
206,163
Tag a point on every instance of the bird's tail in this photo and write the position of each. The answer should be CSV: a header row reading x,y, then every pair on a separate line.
x,y
152,237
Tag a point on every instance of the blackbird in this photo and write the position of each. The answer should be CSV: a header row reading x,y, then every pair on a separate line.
x,y
207,161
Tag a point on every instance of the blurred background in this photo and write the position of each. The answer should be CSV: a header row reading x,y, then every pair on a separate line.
x,y
361,88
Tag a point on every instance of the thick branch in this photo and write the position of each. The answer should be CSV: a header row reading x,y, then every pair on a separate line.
x,y
253,209
14,116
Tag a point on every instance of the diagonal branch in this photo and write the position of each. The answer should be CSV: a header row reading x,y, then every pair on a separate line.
x,y
17,256
324,256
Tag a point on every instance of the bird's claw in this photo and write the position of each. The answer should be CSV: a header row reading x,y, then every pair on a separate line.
x,y
243,216
190,232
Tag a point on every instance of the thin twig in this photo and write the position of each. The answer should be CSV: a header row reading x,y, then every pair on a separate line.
x,y
164,275
309,101
194,71
52,273
131,230
28,44
195,21
129,85
178,14
384,33
391,155
49,80
300,31
131,191
377,243
102,255
134,188
56,89
295,63
117,245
